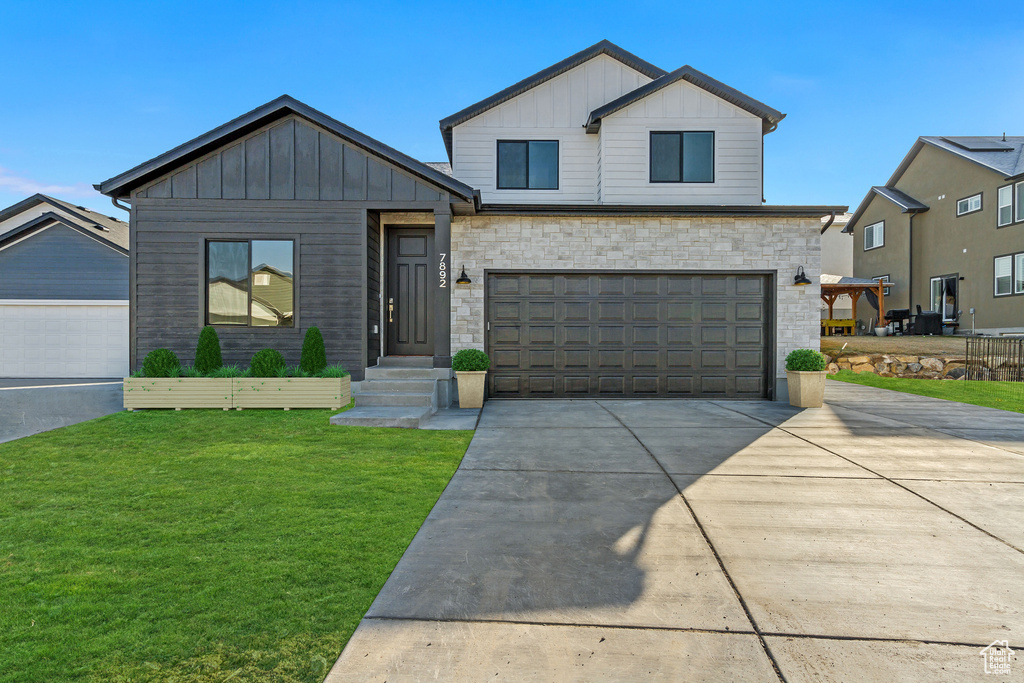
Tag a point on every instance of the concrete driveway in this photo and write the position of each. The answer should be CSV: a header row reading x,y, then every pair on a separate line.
x,y
878,538
30,406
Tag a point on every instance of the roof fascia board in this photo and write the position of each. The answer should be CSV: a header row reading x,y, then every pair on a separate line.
x,y
119,186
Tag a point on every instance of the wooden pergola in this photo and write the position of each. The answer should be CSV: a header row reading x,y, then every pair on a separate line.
x,y
833,287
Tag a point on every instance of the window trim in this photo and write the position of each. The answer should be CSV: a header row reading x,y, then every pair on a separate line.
x,y
497,166
1015,276
1015,195
981,204
999,206
204,276
886,279
995,291
876,246
650,158
942,278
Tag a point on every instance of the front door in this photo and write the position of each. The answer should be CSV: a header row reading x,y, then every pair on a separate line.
x,y
408,304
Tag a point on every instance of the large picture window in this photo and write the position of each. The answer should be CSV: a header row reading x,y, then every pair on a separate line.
x,y
683,157
250,283
527,164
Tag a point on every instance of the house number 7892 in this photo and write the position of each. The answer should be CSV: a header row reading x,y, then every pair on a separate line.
x,y
442,271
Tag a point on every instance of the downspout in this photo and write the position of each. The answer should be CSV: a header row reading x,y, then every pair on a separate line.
x,y
113,200
828,223
910,265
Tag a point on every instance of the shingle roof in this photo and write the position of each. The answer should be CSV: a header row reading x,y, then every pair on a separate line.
x,y
121,185
106,229
901,199
604,47
770,117
993,152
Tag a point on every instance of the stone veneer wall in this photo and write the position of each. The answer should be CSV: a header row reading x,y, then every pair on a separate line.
x,y
641,243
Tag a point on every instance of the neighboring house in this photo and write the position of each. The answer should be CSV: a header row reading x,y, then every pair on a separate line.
x,y
607,213
63,291
837,259
948,230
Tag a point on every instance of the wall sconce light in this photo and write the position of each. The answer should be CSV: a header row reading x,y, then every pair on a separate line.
x,y
463,279
800,278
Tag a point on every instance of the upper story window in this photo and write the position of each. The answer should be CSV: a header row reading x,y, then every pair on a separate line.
x,y
1004,203
527,164
874,235
968,204
1008,272
250,283
1020,201
683,157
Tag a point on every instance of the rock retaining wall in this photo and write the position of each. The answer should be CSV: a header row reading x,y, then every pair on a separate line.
x,y
888,365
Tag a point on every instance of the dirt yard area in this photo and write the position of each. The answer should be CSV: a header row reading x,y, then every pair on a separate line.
x,y
907,345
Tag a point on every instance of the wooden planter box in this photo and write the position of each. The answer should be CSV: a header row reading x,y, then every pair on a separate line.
x,y
291,392
239,392
176,392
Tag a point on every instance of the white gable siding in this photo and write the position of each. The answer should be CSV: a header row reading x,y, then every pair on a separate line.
x,y
555,110
625,149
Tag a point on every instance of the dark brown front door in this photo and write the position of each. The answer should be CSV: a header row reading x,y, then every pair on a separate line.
x,y
408,304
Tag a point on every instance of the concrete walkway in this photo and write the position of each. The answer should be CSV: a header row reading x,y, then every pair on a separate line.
x,y
878,538
30,406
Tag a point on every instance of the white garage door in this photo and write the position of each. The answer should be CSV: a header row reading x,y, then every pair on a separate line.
x,y
50,338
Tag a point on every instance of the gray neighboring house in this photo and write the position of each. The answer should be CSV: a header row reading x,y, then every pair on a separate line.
x,y
947,230
63,291
608,216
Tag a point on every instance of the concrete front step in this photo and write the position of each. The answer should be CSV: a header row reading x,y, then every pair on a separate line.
x,y
382,416
378,372
405,362
401,386
372,398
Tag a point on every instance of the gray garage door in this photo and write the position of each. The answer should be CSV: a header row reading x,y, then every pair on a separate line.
x,y
577,334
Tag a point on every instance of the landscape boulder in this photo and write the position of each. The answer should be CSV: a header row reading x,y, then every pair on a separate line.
x,y
932,364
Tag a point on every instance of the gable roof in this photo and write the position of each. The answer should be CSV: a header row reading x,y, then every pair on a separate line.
x,y
901,199
770,117
105,229
1002,155
120,186
604,47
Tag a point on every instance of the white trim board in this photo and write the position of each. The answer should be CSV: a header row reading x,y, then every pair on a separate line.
x,y
63,302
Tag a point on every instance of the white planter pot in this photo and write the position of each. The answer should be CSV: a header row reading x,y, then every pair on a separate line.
x,y
881,331
806,389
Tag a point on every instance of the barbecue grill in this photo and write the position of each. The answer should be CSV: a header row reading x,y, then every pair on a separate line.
x,y
896,316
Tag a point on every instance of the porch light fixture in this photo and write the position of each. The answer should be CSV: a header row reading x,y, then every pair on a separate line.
x,y
800,278
463,279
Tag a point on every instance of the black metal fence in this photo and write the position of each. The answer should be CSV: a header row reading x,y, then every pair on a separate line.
x,y
993,359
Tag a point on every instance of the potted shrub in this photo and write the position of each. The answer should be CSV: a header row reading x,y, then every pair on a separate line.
x,y
470,366
805,376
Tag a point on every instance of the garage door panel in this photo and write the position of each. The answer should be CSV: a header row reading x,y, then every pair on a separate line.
x,y
63,339
619,334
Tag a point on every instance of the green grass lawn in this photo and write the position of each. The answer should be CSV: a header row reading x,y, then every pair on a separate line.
x,y
203,545
1002,395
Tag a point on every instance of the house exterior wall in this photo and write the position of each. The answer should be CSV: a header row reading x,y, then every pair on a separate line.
x,y
625,149
61,263
554,110
945,244
837,259
624,243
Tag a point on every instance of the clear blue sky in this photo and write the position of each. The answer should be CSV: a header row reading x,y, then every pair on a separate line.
x,y
88,90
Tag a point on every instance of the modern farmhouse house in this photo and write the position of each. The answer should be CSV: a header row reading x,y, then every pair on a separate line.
x,y
607,216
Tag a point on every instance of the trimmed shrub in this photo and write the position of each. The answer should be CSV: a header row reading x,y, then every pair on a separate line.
x,y
314,355
805,360
267,363
208,356
468,360
161,363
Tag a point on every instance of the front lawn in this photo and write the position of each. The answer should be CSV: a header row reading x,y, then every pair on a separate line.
x,y
1002,395
203,545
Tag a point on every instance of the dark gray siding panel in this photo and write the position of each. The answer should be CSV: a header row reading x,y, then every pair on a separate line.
x,y
61,263
293,160
372,288
170,290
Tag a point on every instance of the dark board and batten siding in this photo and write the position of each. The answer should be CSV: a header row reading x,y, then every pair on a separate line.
x,y
61,263
373,280
170,284
292,160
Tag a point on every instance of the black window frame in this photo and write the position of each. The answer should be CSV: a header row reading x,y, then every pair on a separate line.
x,y
981,204
1013,275
1012,187
650,158
497,165
887,282
879,246
248,279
